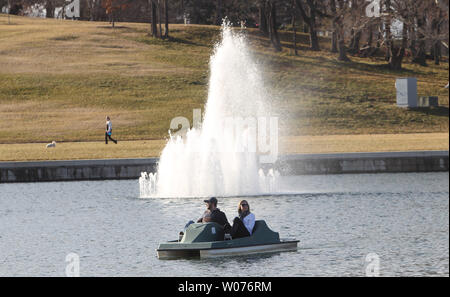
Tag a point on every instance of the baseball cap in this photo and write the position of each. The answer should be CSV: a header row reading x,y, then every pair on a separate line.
x,y
211,200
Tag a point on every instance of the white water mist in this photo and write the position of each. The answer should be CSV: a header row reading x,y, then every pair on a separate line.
x,y
215,159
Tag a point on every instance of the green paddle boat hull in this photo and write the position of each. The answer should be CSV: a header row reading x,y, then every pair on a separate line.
x,y
206,241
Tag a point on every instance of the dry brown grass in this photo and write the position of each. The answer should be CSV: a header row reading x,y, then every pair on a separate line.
x,y
81,150
364,143
33,45
59,79
288,145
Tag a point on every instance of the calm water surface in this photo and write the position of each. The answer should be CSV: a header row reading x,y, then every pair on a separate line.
x,y
339,219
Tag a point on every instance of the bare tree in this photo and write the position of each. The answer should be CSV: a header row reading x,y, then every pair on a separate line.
x,y
334,48
422,23
357,24
219,9
437,16
273,33
50,9
262,17
166,18
340,10
154,29
160,17
294,26
309,10
94,8
388,13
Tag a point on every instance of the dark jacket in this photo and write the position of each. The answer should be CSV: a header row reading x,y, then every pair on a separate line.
x,y
216,216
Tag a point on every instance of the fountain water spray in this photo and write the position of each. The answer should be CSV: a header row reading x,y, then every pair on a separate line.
x,y
220,158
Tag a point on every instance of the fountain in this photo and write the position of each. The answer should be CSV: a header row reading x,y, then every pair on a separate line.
x,y
219,158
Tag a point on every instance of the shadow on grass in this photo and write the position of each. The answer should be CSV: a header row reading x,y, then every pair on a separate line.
x,y
184,41
64,38
115,27
263,41
440,111
167,42
378,68
194,33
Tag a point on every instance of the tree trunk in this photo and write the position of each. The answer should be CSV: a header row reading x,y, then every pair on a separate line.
x,y
334,47
420,57
437,52
352,39
50,9
341,45
388,32
219,15
166,22
437,44
312,27
160,18
273,33
262,17
342,51
97,7
379,36
396,54
412,38
294,27
311,21
396,58
314,40
112,19
91,10
154,28
356,41
305,27
370,37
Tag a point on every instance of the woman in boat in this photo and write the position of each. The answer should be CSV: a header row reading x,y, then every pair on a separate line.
x,y
243,224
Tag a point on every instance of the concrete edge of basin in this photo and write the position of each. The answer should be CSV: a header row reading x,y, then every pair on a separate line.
x,y
297,164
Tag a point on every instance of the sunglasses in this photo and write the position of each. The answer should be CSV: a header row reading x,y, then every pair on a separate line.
x,y
244,204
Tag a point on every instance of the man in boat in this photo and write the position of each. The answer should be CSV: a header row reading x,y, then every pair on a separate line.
x,y
212,213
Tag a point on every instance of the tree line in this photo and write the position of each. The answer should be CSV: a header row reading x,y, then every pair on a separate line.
x,y
392,28
366,28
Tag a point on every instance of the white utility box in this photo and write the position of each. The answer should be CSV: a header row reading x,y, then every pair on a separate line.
x,y
406,92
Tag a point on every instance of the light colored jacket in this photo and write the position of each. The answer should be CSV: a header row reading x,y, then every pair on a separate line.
x,y
249,222
108,126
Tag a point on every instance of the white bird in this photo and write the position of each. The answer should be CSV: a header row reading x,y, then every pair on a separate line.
x,y
53,144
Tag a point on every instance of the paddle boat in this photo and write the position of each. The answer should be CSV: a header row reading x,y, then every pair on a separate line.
x,y
206,240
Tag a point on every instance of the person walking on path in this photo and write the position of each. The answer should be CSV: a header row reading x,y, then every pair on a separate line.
x,y
108,132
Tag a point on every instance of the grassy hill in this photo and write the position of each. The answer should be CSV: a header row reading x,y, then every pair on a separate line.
x,y
59,79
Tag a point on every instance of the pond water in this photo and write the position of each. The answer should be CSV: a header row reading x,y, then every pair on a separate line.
x,y
339,220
